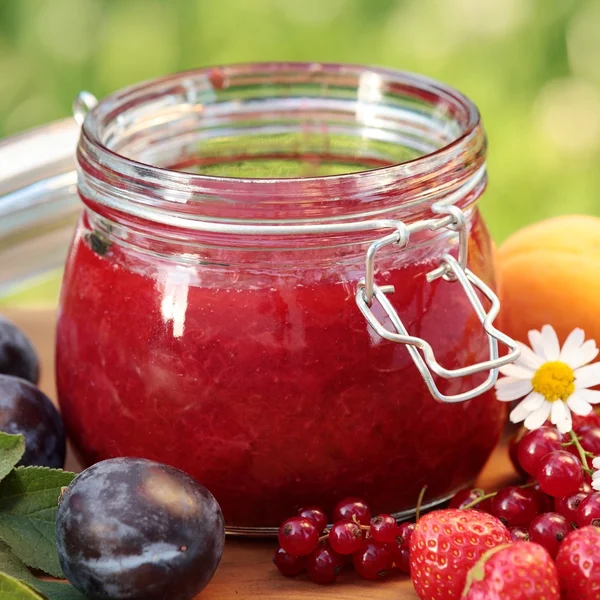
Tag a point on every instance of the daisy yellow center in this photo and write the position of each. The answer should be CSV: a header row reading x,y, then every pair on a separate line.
x,y
554,380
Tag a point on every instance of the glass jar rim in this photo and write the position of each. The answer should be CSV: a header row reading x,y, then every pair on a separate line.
x,y
113,105
408,111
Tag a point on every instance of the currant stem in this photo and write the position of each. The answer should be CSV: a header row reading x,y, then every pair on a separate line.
x,y
492,494
420,502
581,451
478,500
528,485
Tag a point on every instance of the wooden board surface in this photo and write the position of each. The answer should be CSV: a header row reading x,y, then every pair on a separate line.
x,y
246,571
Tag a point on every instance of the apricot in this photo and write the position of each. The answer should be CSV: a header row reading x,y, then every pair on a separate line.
x,y
549,272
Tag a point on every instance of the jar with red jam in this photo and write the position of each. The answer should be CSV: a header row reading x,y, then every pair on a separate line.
x,y
281,283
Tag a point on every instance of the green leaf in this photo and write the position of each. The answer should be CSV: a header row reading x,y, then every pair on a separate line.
x,y
12,448
54,590
13,589
28,505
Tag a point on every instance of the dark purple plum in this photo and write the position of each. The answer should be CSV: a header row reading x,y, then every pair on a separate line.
x,y
17,354
129,528
25,409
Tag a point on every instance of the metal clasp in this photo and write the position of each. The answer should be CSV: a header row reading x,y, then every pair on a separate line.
x,y
451,270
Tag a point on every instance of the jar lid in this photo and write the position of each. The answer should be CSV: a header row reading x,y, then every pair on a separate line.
x,y
38,201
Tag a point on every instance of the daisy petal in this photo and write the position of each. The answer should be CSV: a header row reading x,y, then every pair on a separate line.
x,y
558,411
566,424
528,359
596,462
537,418
586,354
589,351
536,341
508,389
516,371
572,344
561,417
587,376
596,484
519,413
591,396
550,341
578,405
596,475
533,401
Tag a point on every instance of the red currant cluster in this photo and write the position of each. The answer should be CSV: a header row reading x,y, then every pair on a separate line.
x,y
557,497
373,546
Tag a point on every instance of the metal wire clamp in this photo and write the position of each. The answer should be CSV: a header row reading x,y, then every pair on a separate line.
x,y
452,270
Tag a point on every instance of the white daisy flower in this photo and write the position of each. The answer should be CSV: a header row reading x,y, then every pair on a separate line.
x,y
554,380
596,475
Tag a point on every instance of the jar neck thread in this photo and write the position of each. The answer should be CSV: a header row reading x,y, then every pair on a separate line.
x,y
130,140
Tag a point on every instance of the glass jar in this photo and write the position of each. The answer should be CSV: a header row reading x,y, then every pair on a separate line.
x,y
209,314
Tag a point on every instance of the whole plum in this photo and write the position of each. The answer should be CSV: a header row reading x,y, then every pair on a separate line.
x,y
17,354
25,409
129,528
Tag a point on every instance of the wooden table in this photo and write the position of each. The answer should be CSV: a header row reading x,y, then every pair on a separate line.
x,y
246,571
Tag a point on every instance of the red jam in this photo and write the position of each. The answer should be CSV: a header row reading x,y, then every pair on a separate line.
x,y
272,391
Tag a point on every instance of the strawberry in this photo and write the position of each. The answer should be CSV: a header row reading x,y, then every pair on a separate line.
x,y
519,571
578,564
445,545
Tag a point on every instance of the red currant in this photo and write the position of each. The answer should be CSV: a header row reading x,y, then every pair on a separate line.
x,y
560,474
545,502
352,509
549,530
588,512
287,564
405,531
384,529
589,438
373,561
298,536
567,506
514,506
401,548
401,558
316,515
535,445
592,419
513,451
465,497
345,537
324,565
519,534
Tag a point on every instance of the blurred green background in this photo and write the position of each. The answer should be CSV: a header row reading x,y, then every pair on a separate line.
x,y
532,67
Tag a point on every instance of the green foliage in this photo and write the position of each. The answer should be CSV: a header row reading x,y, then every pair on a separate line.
x,y
28,505
13,589
532,67
12,567
12,448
